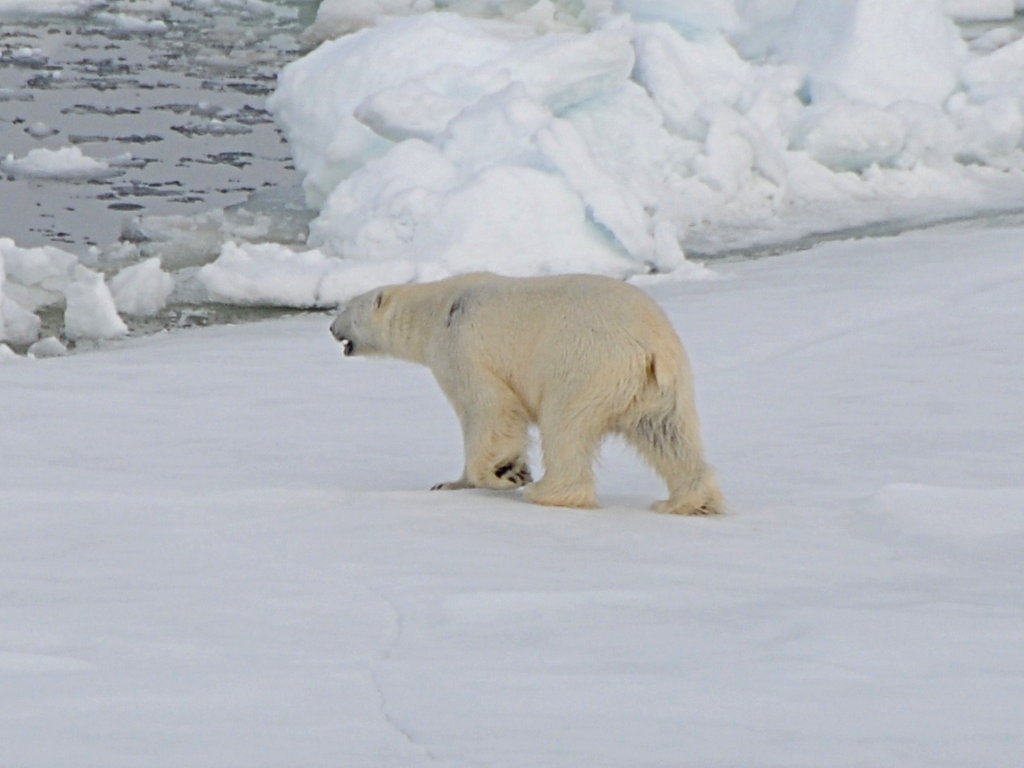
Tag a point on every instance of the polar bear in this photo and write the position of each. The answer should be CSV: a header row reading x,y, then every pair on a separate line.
x,y
580,356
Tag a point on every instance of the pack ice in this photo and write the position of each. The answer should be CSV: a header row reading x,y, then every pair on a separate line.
x,y
436,138
616,136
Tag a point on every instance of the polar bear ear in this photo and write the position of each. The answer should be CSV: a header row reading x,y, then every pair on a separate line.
x,y
378,299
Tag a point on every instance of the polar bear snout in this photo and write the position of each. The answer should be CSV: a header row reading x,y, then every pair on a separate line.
x,y
347,347
340,333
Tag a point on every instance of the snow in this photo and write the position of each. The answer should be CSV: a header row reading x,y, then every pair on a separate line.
x,y
981,10
993,74
200,571
266,275
16,323
41,130
730,124
31,279
851,137
25,8
216,548
126,22
90,312
66,163
50,346
142,289
876,51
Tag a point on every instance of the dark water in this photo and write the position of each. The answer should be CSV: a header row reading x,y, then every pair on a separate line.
x,y
188,106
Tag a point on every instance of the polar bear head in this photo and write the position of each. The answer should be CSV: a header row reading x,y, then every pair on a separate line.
x,y
406,320
360,322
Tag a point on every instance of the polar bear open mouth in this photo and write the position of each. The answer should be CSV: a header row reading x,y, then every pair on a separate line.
x,y
346,346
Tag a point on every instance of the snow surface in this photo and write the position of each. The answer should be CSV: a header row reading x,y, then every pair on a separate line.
x,y
983,10
216,548
856,51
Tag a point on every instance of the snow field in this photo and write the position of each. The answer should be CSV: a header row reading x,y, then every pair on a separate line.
x,y
205,572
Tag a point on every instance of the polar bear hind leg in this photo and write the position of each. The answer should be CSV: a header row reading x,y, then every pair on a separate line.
x,y
670,443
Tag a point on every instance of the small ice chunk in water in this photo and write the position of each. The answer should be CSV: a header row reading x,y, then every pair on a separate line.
x,y
67,163
50,346
142,289
41,130
90,312
18,325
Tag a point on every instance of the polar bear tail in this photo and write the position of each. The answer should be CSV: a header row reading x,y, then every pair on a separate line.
x,y
666,432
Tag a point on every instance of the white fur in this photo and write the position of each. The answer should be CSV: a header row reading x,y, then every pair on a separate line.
x,y
580,356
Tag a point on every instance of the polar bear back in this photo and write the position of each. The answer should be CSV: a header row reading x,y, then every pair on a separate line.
x,y
569,329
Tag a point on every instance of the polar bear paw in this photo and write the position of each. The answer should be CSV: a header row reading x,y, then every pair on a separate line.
x,y
515,473
578,497
512,474
453,485
706,507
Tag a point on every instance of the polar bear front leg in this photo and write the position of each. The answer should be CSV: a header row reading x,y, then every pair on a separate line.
x,y
569,446
495,436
